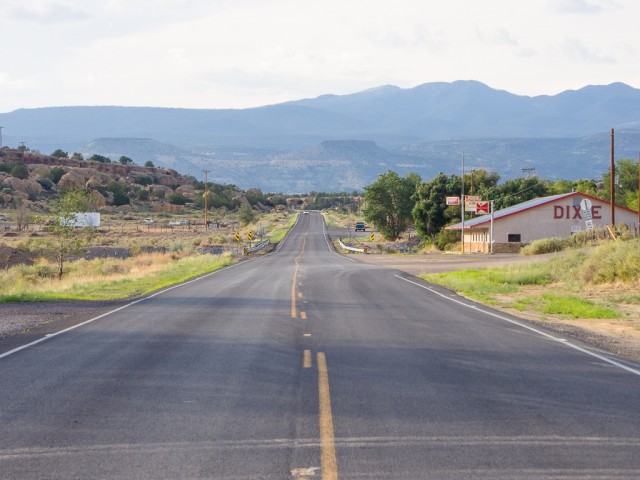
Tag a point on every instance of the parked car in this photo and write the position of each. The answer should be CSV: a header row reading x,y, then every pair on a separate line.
x,y
3,218
148,221
360,227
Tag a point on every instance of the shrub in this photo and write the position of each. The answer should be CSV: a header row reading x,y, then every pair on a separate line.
x,y
544,245
20,171
177,198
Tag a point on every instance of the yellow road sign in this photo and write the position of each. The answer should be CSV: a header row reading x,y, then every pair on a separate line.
x,y
372,236
237,237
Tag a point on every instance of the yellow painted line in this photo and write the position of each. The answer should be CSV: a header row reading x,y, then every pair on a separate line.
x,y
306,334
328,455
303,315
300,295
306,359
294,309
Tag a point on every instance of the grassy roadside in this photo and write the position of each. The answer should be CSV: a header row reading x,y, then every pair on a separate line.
x,y
278,233
118,279
105,279
562,287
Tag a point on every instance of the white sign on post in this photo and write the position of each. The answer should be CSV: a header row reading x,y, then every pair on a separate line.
x,y
585,211
470,202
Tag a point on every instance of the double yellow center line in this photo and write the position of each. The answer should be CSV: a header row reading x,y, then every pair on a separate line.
x,y
329,464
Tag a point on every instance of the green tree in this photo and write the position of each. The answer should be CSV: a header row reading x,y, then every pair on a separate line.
x,y
626,174
59,153
389,203
99,158
77,156
65,239
143,180
149,164
431,212
119,190
246,215
125,160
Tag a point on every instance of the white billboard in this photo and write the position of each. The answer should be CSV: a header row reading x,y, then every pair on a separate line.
x,y
85,219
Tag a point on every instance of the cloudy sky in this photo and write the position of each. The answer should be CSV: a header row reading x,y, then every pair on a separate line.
x,y
244,53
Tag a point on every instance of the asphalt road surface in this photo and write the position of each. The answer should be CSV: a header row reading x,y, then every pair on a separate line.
x,y
307,364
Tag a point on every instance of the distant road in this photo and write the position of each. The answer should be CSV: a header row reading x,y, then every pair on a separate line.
x,y
307,364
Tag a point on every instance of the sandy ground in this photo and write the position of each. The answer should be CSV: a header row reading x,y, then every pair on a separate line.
x,y
618,336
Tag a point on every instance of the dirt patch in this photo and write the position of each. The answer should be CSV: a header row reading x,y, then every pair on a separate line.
x,y
10,256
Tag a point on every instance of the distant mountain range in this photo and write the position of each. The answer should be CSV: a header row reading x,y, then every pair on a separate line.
x,y
343,142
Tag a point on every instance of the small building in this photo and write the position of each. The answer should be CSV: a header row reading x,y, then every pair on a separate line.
x,y
554,216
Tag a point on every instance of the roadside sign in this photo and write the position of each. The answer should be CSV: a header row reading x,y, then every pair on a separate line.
x,y
250,236
470,202
372,237
237,237
482,208
585,207
453,200
589,224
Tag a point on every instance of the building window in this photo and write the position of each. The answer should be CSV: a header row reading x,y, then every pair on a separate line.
x,y
513,237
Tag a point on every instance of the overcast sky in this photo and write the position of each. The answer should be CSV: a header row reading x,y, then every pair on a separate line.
x,y
245,53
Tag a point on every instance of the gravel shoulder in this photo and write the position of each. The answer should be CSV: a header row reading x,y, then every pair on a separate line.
x,y
22,323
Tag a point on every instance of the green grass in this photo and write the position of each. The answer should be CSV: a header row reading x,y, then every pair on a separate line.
x,y
575,307
279,233
83,287
485,284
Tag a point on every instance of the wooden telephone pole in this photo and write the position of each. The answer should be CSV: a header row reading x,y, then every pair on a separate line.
x,y
206,200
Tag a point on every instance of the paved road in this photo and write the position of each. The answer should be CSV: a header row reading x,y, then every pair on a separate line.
x,y
307,364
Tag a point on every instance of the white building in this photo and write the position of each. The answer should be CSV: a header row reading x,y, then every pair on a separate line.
x,y
554,216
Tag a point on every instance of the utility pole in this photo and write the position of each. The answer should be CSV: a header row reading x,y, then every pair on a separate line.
x,y
529,171
206,200
612,183
462,203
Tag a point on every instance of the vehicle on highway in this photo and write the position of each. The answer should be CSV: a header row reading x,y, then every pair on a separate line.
x,y
360,227
148,221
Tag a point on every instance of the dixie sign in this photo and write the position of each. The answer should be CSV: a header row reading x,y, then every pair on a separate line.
x,y
570,212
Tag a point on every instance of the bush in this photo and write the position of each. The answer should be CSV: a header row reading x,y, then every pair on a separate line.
x,y
445,238
544,245
177,198
20,171
613,261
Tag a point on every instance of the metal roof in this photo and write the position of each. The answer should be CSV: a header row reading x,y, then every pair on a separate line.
x,y
505,212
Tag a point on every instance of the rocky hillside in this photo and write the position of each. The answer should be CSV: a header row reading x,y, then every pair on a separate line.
x,y
31,179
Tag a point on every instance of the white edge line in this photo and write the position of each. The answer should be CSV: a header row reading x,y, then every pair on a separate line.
x,y
332,250
562,341
49,336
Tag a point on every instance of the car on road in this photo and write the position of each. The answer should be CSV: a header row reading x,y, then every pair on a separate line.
x,y
360,227
177,223
148,221
3,218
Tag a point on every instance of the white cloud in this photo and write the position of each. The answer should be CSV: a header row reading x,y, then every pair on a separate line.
x,y
230,53
576,49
